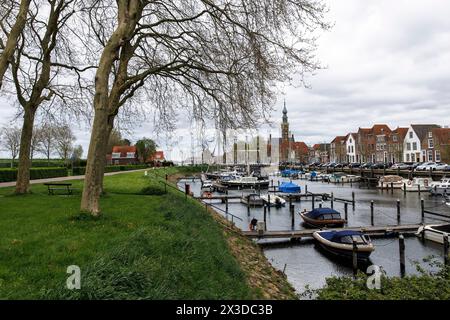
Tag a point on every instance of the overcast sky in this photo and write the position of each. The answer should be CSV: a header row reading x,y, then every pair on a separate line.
x,y
386,62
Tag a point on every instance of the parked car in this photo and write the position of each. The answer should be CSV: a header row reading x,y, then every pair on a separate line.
x,y
379,165
427,166
354,165
441,166
401,166
447,168
366,165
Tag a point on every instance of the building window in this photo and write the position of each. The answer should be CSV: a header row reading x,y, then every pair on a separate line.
x,y
438,156
130,154
430,143
430,134
407,157
115,155
430,155
408,146
410,135
394,138
414,145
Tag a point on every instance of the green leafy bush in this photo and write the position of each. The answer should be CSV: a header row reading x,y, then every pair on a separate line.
x,y
152,191
7,175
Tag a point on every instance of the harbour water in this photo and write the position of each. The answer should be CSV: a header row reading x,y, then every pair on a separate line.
x,y
305,264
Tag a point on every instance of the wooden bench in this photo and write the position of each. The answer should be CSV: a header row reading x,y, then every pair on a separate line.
x,y
52,187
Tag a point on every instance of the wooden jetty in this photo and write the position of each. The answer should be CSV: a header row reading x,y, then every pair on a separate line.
x,y
307,233
225,197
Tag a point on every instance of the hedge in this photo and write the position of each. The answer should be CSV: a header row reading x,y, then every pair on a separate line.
x,y
82,170
7,175
35,164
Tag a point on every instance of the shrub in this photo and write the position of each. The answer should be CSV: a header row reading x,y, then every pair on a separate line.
x,y
7,175
152,191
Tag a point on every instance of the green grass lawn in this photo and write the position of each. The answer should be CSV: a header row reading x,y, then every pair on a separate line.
x,y
143,246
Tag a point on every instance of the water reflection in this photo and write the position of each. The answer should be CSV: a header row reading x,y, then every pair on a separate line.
x,y
305,264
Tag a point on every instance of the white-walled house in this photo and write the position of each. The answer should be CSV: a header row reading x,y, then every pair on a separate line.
x,y
412,145
350,145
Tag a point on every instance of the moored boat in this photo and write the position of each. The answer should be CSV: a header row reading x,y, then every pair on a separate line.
x,y
434,232
441,187
416,183
246,182
323,217
252,199
390,181
340,243
273,200
289,188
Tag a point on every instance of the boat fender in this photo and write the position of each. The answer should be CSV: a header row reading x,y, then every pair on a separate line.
x,y
409,182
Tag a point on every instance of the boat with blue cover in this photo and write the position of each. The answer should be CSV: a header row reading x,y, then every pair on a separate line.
x,y
289,187
340,243
323,217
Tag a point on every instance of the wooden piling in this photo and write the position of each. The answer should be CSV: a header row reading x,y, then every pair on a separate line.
x,y
265,218
398,211
392,188
292,208
268,199
313,202
401,243
353,200
446,245
332,200
306,189
346,211
404,189
418,188
371,212
422,207
355,258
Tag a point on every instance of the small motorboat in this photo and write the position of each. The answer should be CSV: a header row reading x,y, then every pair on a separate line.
x,y
275,201
441,188
340,243
252,199
390,181
434,232
340,177
414,184
246,182
323,217
289,188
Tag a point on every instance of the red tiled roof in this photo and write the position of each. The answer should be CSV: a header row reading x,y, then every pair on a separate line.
x,y
401,132
380,129
124,149
158,155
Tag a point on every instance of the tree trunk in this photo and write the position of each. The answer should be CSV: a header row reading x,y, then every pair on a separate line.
x,y
95,163
13,37
23,171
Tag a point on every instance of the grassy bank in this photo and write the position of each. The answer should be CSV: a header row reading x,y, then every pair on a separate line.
x,y
147,245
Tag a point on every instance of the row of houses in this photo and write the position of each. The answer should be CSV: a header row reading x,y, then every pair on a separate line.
x,y
128,155
416,143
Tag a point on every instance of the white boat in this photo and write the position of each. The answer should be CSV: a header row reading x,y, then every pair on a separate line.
x,y
246,182
387,182
340,177
434,232
413,185
275,201
440,187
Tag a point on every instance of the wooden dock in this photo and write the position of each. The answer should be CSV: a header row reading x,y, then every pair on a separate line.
x,y
307,233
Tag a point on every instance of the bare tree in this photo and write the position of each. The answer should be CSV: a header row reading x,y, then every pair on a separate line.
x,y
40,66
11,33
64,139
216,58
10,140
36,141
47,145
